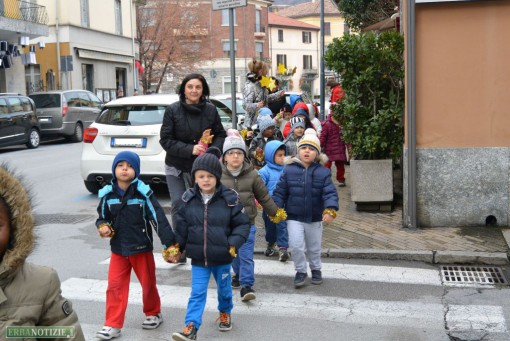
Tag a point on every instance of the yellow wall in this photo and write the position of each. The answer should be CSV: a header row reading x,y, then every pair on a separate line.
x,y
47,59
463,74
336,24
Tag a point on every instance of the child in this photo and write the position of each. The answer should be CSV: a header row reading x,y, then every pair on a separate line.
x,y
276,234
306,192
128,211
295,135
239,174
267,128
286,112
26,288
211,226
334,148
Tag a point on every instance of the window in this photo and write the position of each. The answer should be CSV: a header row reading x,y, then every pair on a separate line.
x,y
307,37
257,21
84,12
280,35
118,18
259,49
227,84
226,49
327,28
281,59
87,76
224,17
4,109
307,62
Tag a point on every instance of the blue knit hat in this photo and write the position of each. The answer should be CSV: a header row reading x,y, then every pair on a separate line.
x,y
265,111
132,158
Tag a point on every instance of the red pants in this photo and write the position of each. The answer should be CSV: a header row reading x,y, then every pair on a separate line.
x,y
118,286
340,169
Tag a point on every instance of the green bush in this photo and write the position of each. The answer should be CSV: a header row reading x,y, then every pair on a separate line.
x,y
372,75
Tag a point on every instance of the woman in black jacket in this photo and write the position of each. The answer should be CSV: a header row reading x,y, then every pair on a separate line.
x,y
189,127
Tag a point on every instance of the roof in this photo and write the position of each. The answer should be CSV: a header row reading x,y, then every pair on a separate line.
x,y
309,9
278,20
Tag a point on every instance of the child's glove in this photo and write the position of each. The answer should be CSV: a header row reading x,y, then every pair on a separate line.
x,y
232,251
280,216
106,230
171,254
328,215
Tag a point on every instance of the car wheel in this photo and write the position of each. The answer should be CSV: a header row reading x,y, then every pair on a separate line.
x,y
92,186
34,139
78,133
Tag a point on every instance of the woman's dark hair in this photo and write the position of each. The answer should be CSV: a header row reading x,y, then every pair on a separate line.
x,y
205,87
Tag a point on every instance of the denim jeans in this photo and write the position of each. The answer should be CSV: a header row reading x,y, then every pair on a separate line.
x,y
176,188
200,276
243,265
276,233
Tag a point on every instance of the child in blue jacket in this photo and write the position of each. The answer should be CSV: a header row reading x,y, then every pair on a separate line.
x,y
276,233
309,197
211,227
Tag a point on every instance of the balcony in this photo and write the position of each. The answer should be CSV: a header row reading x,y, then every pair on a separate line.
x,y
25,11
260,31
22,18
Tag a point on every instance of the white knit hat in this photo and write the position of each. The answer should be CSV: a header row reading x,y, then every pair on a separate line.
x,y
310,139
234,141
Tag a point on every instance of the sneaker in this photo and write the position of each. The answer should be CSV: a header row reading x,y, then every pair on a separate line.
x,y
235,281
225,322
316,277
283,255
247,294
341,184
182,260
299,280
189,333
152,322
270,251
108,333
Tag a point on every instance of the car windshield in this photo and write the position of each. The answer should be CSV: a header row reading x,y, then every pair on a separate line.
x,y
46,100
136,115
239,105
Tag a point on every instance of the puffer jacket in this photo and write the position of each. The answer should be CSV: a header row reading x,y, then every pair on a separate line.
x,y
304,193
250,186
331,141
183,125
133,216
30,294
253,93
271,172
206,231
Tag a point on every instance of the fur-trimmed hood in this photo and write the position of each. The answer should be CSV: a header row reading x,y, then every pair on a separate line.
x,y
22,240
322,159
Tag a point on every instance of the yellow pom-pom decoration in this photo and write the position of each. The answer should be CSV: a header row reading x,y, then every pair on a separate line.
x,y
243,133
280,215
110,227
171,251
330,211
232,251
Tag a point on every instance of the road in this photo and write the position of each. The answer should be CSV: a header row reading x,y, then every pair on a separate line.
x,y
359,299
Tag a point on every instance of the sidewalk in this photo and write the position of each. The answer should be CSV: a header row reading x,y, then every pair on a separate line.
x,y
356,234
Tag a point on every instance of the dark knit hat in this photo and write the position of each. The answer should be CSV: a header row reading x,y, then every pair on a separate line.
x,y
209,161
132,158
297,122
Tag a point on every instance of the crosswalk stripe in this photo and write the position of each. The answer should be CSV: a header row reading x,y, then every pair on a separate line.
x,y
351,272
335,309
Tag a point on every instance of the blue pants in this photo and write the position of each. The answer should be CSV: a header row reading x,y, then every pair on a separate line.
x,y
276,233
200,276
243,265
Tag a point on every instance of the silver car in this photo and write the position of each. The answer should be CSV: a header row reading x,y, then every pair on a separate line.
x,y
66,112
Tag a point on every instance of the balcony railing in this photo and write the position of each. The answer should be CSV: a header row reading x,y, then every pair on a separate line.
x,y
260,29
23,10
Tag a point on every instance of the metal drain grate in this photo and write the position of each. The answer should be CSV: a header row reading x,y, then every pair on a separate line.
x,y
472,275
42,219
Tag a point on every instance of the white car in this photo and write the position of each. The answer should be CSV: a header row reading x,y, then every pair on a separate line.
x,y
130,123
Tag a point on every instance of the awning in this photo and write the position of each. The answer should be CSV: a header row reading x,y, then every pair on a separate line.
x,y
111,57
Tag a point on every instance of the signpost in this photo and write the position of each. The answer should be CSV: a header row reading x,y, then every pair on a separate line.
x,y
230,5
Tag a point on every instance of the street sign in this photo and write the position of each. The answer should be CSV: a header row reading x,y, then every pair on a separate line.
x,y
224,4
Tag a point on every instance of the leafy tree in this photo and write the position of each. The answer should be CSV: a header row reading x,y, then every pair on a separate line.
x,y
361,13
170,35
372,75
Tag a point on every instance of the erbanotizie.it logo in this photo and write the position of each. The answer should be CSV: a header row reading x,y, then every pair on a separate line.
x,y
53,332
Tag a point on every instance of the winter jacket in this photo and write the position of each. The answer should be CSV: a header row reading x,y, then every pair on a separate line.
x,y
183,125
133,216
337,93
270,173
30,295
331,141
259,141
304,193
206,231
308,123
291,143
250,186
253,93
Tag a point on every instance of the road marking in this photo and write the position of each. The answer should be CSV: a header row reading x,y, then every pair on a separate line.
x,y
350,272
329,308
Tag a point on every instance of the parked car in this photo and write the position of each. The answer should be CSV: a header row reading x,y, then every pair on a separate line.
x,y
226,99
18,121
130,123
66,112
